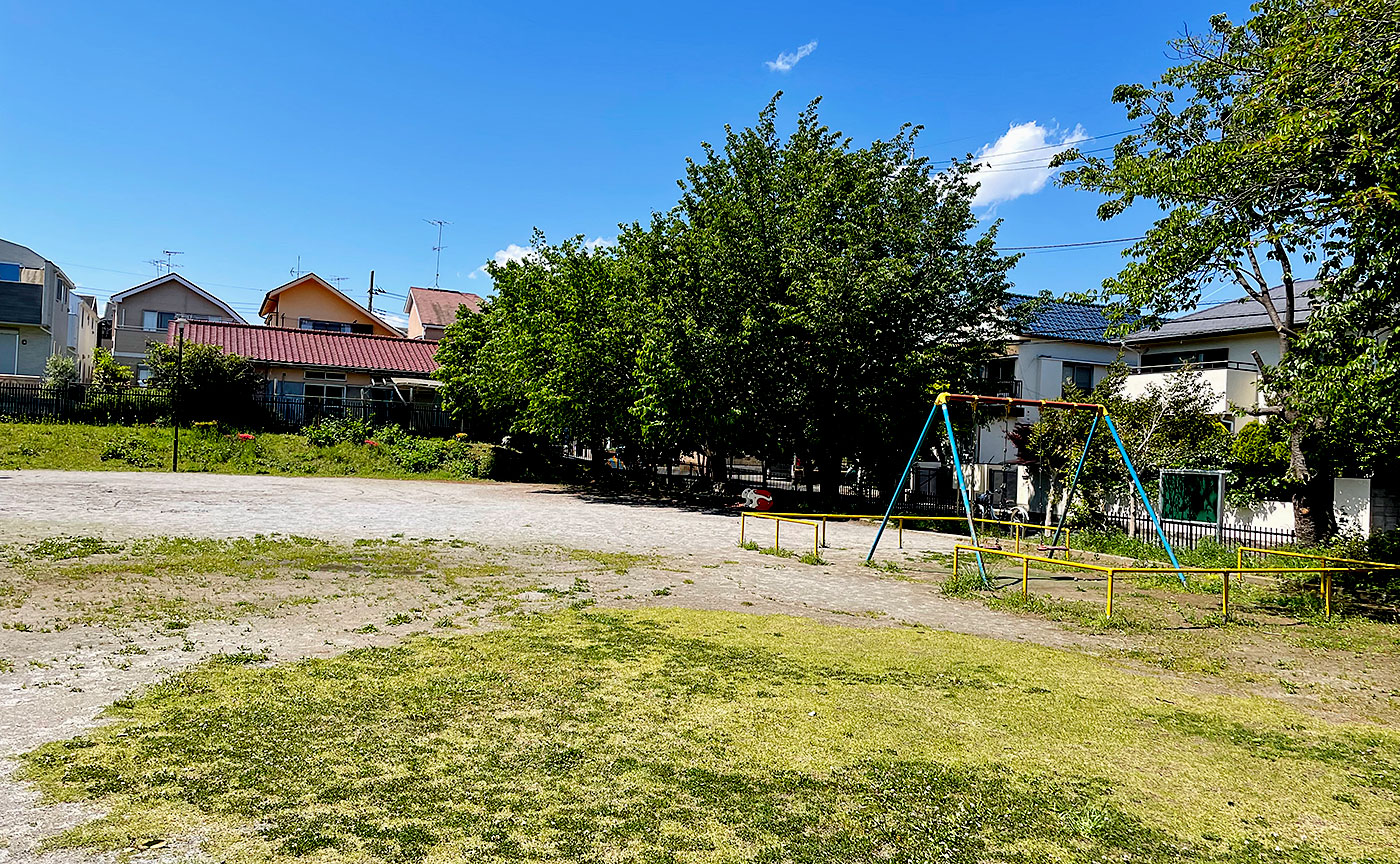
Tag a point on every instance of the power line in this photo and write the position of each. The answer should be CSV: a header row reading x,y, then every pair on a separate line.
x,y
1082,245
1061,146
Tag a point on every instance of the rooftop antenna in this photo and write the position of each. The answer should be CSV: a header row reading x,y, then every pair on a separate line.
x,y
437,268
337,280
296,271
157,263
169,264
373,291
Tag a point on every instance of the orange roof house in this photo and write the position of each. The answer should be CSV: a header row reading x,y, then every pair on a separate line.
x,y
311,303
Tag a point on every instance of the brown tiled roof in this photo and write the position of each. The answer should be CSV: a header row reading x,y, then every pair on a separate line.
x,y
314,347
438,308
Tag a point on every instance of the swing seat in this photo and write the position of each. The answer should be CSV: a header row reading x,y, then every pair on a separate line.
x,y
991,544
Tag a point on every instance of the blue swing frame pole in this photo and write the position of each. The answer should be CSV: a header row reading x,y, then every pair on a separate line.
x,y
899,487
962,490
1073,484
1151,511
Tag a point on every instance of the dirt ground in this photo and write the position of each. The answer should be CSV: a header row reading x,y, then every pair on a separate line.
x,y
69,654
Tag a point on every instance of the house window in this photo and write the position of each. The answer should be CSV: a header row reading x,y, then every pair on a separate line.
x,y
334,326
321,375
143,375
1080,376
329,394
9,272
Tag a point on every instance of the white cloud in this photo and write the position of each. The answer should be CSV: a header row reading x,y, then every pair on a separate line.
x,y
787,60
513,252
516,252
394,318
1018,162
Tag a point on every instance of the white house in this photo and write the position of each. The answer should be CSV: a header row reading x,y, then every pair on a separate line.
x,y
1062,343
1220,341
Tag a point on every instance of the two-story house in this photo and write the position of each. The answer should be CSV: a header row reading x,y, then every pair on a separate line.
x,y
311,303
1220,342
143,314
1061,346
35,314
430,310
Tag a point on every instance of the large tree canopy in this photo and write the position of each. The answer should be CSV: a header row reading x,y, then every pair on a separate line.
x,y
1271,147
805,297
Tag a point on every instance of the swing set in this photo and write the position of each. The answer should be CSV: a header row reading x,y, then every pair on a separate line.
x,y
1101,417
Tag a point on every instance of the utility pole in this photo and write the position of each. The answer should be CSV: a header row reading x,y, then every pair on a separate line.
x,y
437,268
175,391
373,291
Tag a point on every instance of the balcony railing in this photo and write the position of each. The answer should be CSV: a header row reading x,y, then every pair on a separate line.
x,y
1177,367
998,387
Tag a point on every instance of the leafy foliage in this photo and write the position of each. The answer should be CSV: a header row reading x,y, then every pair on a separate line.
x,y
1169,426
210,383
804,297
60,371
1273,144
107,373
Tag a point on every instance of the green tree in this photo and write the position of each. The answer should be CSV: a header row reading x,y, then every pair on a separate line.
x,y
556,348
1256,147
107,373
812,297
1168,426
210,383
458,354
60,372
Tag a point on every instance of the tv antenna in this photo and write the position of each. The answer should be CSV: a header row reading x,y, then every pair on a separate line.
x,y
296,272
166,264
337,280
437,268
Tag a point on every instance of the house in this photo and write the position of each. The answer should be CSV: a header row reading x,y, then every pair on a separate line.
x,y
430,310
1220,341
142,314
325,366
37,319
311,303
82,332
1061,343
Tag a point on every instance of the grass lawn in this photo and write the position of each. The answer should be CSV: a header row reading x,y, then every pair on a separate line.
x,y
79,447
669,735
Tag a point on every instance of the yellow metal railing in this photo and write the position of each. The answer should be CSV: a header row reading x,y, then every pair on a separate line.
x,y
1324,572
778,520
1019,530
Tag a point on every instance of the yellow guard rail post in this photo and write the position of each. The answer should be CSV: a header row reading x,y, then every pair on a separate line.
x,y
1325,571
777,528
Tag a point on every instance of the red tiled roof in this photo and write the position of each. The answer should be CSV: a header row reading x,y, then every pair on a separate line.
x,y
314,347
438,308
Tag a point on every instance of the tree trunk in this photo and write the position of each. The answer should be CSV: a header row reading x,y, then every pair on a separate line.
x,y
1312,501
830,469
719,467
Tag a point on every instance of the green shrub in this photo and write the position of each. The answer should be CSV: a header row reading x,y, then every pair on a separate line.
x,y
131,449
329,431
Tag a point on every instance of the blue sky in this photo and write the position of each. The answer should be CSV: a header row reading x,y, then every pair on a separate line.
x,y
246,135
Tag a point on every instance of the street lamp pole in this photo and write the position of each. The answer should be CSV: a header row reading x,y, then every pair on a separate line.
x,y
175,390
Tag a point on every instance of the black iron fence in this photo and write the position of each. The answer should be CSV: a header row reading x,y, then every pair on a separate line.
x,y
79,403
1189,535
